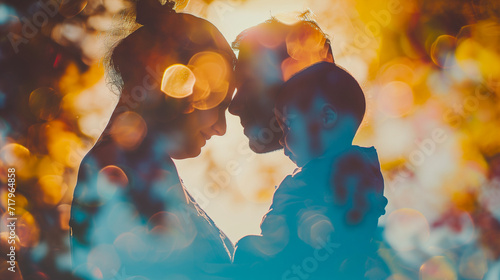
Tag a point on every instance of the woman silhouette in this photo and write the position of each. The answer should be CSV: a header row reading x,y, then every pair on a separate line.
x,y
131,215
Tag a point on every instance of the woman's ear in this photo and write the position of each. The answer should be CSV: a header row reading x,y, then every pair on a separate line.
x,y
329,116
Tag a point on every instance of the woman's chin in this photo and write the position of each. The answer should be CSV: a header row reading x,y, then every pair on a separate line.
x,y
191,153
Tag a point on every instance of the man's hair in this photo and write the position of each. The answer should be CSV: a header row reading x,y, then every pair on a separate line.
x,y
288,41
328,81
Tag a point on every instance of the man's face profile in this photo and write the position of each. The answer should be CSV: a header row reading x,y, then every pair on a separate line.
x,y
258,77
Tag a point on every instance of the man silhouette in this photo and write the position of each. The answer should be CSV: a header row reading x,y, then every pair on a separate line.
x,y
269,55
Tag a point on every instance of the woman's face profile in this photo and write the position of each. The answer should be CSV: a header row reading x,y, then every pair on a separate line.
x,y
196,128
187,81
210,80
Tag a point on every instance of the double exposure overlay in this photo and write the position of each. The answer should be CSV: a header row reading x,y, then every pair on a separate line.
x,y
250,139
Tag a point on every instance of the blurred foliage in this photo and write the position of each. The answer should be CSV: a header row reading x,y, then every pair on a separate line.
x,y
431,74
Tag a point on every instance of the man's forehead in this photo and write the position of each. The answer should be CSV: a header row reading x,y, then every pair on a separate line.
x,y
262,65
247,59
258,56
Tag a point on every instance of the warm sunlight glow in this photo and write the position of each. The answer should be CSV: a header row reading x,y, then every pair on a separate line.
x,y
178,81
212,79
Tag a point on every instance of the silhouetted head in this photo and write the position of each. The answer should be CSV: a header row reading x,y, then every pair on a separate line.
x,y
269,54
176,81
320,110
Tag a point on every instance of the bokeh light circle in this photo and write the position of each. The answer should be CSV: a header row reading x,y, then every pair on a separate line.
x,y
396,99
443,51
128,130
71,8
406,229
130,247
52,189
28,230
212,73
45,103
15,155
437,268
109,180
314,227
178,81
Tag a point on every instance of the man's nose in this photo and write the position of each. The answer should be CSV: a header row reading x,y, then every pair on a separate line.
x,y
236,106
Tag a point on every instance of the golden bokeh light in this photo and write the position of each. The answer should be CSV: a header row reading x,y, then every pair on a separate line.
x,y
395,99
398,71
71,8
406,229
16,156
420,66
21,201
64,216
178,81
110,179
45,103
128,130
122,217
314,228
28,230
105,260
305,43
438,268
212,73
306,46
52,188
4,243
277,239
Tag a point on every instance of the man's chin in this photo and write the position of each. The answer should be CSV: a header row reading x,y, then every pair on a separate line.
x,y
262,148
262,143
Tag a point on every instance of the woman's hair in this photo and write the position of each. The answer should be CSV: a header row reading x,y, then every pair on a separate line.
x,y
137,62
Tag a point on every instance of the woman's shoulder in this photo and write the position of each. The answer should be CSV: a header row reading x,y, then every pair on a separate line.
x,y
106,168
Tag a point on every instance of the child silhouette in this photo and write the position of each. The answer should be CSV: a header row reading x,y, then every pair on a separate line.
x,y
323,217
